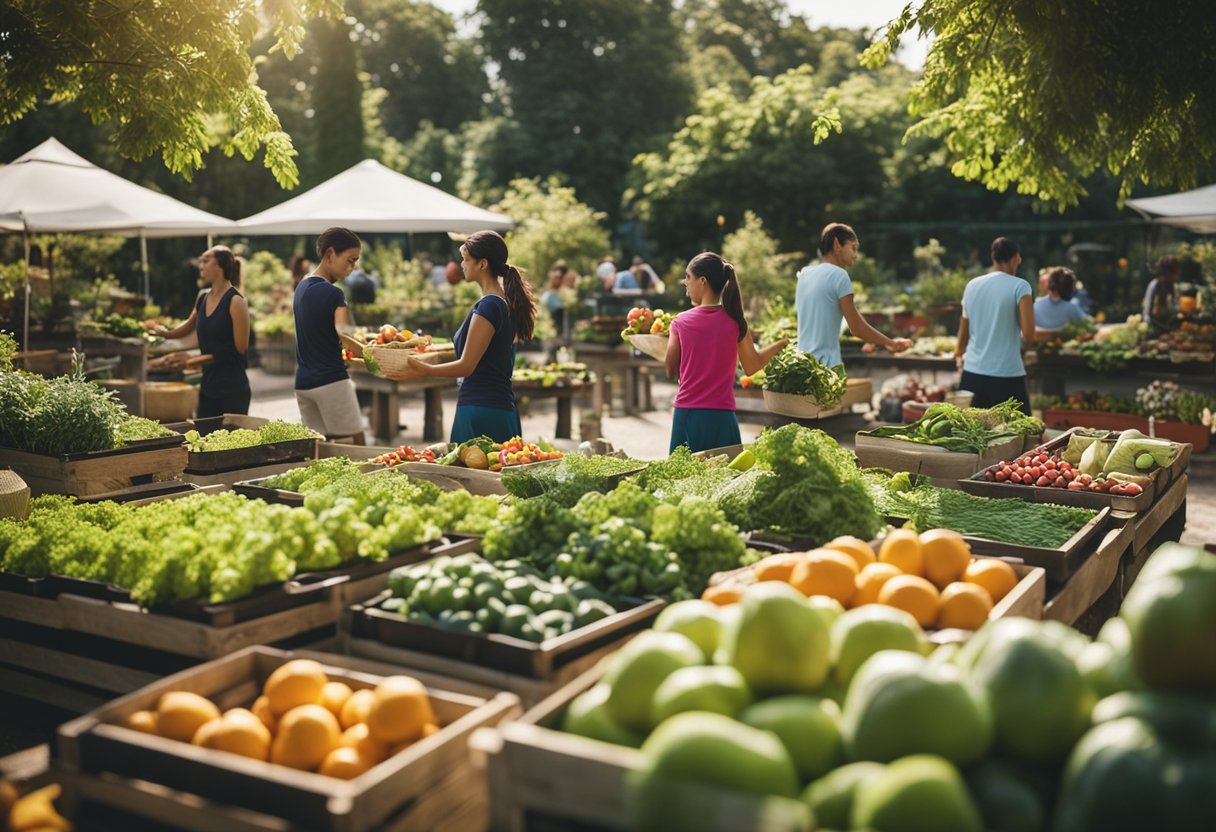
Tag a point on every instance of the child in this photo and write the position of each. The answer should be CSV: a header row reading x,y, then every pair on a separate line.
x,y
706,343
485,342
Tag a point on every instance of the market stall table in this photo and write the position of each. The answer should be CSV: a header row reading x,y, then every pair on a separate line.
x,y
131,352
1054,372
563,394
622,360
386,403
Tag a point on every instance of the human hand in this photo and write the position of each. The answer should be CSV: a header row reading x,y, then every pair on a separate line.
x,y
420,367
177,359
958,360
899,344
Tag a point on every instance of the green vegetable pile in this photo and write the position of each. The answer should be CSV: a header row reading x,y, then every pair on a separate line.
x,y
801,374
136,428
964,430
683,474
617,558
569,478
313,476
469,594
227,440
532,531
1006,520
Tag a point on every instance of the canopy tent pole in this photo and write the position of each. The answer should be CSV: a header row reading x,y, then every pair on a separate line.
x,y
143,260
25,333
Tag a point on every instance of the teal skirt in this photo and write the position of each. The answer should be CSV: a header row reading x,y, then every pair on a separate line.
x,y
701,428
472,421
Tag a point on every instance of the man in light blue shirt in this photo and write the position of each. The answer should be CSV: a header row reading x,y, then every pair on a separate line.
x,y
1055,310
824,298
998,313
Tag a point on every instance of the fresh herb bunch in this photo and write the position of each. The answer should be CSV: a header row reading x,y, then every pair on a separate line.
x,y
227,440
136,428
65,415
569,478
801,374
313,476
682,473
533,531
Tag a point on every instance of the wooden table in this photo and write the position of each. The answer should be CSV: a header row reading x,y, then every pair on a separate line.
x,y
633,367
564,395
132,354
386,404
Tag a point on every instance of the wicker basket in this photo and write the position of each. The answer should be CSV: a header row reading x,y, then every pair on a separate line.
x,y
169,401
14,495
653,345
797,407
394,363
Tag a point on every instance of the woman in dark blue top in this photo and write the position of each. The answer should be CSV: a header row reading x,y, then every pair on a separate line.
x,y
485,342
221,318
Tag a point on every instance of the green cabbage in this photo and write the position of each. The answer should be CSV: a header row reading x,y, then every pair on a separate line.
x,y
1130,445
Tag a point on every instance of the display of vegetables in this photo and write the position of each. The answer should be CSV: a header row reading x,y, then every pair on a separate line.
x,y
227,440
137,428
647,322
557,374
1046,470
483,453
405,453
569,479
964,430
801,374
1131,452
55,416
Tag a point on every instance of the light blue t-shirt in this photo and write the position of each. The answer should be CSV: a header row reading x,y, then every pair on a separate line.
x,y
994,342
1054,314
817,300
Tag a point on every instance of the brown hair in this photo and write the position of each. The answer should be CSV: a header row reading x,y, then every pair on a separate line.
x,y
521,305
835,232
1062,281
339,239
722,279
229,264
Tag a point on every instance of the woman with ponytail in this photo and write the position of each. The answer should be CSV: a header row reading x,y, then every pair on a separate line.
x,y
485,342
221,318
707,342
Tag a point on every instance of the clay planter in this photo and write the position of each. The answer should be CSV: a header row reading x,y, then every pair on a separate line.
x,y
1197,435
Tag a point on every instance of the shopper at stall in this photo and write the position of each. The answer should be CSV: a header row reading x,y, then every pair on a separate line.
x,y
221,318
324,392
707,342
824,298
998,314
485,342
1055,310
1158,305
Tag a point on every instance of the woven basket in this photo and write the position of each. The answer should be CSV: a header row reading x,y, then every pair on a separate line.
x,y
798,407
653,345
169,401
14,495
394,363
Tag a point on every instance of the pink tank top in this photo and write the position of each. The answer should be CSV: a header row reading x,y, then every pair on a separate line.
x,y
709,352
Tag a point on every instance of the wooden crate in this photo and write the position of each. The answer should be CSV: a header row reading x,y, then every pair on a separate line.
x,y
537,773
150,775
930,460
84,475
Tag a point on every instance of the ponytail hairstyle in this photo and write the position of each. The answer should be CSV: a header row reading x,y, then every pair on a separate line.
x,y
722,279
339,239
521,305
229,264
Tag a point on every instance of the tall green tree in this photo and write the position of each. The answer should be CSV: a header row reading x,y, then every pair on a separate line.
x,y
1038,96
337,100
588,83
191,59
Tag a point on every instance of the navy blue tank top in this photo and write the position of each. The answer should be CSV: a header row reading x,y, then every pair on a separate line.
x,y
225,374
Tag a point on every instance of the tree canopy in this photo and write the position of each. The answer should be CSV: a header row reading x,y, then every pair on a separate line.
x,y
174,76
1040,95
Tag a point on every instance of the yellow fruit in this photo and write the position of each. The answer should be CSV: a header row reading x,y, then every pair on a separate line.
x,y
913,594
143,721
334,696
298,682
261,709
356,707
826,572
400,710
36,812
992,574
945,555
180,714
723,594
901,548
360,738
855,548
776,567
344,763
965,606
307,733
238,731
870,580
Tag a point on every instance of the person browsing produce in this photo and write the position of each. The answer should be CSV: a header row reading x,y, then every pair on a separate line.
x,y
485,342
824,297
1055,309
221,318
706,343
324,392
998,314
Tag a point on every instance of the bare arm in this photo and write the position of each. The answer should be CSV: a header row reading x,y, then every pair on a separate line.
x,y
1026,318
185,328
672,360
859,327
754,360
341,317
240,324
964,334
481,331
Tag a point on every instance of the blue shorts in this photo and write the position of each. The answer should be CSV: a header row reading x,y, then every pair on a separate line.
x,y
702,429
472,421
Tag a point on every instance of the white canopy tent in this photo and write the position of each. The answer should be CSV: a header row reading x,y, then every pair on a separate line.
x,y
373,199
50,189
1193,210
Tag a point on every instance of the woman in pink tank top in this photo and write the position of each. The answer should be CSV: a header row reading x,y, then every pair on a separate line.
x,y
707,342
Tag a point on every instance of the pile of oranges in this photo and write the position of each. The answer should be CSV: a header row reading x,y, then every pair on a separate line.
x,y
932,576
302,720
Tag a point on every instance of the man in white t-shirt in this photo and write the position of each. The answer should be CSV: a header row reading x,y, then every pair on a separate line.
x,y
824,298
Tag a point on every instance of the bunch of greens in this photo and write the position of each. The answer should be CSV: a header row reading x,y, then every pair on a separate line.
x,y
314,475
227,440
616,558
1190,406
533,531
801,374
569,478
803,485
627,501
682,474
64,415
137,428
8,346
461,512
373,517
964,430
701,537
121,326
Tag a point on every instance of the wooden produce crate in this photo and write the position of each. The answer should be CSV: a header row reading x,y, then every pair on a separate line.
x,y
98,472
540,777
530,670
929,460
1161,478
218,462
1059,563
202,789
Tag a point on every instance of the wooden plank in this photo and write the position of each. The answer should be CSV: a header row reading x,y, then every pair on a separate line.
x,y
1148,524
28,764
1092,579
44,612
1027,598
241,474
73,668
51,475
49,692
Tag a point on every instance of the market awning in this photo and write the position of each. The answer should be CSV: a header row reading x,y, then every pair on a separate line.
x,y
371,198
1193,210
